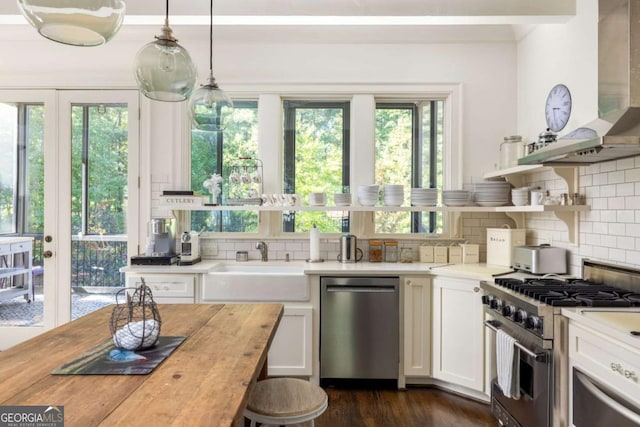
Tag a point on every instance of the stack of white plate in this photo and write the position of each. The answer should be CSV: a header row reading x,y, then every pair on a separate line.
x,y
393,194
520,196
492,193
317,199
456,198
342,199
368,194
424,196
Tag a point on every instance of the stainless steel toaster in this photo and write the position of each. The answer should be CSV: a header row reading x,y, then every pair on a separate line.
x,y
543,259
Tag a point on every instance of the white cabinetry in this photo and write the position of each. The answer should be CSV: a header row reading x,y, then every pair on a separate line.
x,y
291,350
15,268
417,326
458,355
167,288
612,363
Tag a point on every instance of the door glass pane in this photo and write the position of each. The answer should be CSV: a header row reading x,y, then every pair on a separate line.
x,y
21,214
98,204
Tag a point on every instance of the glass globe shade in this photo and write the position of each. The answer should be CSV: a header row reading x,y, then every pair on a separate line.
x,y
164,71
75,22
210,107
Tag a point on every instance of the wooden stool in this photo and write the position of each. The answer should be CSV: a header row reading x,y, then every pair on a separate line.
x,y
283,401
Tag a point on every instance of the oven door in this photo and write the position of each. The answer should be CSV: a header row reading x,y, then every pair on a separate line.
x,y
595,405
533,408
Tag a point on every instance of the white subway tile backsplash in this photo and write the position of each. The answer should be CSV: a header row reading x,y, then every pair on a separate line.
x,y
617,229
608,166
625,163
615,177
632,202
608,190
625,216
625,243
626,189
615,203
632,175
600,179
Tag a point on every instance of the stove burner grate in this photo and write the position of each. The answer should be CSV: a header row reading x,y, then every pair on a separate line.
x,y
571,293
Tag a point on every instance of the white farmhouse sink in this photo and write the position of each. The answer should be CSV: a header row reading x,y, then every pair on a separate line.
x,y
256,282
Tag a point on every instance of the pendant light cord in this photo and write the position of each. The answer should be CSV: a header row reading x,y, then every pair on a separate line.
x,y
210,39
166,16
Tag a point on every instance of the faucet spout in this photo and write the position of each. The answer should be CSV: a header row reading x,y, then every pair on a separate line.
x,y
264,250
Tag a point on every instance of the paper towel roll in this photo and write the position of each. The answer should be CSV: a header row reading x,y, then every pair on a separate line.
x,y
314,244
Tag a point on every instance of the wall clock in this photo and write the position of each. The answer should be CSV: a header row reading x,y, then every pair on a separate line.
x,y
558,107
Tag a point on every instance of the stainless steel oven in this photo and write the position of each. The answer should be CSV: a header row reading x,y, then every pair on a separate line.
x,y
532,408
595,404
528,309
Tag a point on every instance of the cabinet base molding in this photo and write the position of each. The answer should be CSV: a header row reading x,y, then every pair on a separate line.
x,y
451,388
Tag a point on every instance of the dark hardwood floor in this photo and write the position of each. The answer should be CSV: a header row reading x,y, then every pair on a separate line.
x,y
415,406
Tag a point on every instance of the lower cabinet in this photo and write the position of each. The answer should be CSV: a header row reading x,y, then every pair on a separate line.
x,y
291,350
457,332
167,288
417,326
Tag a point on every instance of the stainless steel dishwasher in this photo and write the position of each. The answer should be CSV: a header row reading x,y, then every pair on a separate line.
x,y
359,329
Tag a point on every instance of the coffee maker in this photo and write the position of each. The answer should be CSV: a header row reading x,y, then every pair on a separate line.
x,y
189,248
161,247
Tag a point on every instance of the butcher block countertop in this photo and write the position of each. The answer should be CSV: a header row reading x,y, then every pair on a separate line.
x,y
206,381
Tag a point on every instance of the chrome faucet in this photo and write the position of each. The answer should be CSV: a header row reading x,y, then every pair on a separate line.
x,y
264,250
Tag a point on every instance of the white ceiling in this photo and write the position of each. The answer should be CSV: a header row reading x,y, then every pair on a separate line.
x,y
337,21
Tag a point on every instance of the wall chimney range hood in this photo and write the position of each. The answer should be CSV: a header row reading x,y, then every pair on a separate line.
x,y
615,134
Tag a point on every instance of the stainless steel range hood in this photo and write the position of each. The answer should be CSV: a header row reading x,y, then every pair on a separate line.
x,y
615,134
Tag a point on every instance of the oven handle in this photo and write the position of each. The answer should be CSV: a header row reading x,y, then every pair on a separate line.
x,y
606,399
540,357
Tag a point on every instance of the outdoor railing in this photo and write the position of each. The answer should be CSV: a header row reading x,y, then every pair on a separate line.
x,y
95,260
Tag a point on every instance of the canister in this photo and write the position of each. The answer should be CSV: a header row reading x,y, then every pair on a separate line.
x,y
470,253
375,251
426,253
500,244
510,151
390,251
455,254
440,254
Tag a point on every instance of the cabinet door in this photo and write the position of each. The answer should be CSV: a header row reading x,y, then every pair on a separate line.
x,y
417,328
291,350
167,288
458,355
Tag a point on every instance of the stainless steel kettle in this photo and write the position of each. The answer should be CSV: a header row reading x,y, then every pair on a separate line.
x,y
349,251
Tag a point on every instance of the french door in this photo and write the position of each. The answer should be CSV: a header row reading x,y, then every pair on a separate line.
x,y
72,190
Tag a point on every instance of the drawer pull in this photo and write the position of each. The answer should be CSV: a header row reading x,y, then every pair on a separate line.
x,y
476,289
616,367
630,375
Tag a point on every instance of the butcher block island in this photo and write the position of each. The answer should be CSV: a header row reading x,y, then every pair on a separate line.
x,y
206,381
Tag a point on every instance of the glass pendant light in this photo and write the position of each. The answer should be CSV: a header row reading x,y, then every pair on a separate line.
x,y
75,22
210,107
164,69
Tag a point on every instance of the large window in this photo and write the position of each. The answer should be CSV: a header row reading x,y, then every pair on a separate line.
x,y
408,151
21,168
316,160
219,152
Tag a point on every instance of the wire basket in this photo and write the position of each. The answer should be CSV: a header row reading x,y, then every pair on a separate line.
x,y
245,182
135,320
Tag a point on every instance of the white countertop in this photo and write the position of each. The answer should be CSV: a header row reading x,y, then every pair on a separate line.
x,y
471,271
614,322
15,239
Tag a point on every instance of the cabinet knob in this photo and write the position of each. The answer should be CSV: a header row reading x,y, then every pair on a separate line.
x,y
630,375
476,289
47,254
48,239
409,283
616,367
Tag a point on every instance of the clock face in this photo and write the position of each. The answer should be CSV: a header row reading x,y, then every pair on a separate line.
x,y
558,107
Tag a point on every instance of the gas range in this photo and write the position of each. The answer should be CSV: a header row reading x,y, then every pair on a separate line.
x,y
532,302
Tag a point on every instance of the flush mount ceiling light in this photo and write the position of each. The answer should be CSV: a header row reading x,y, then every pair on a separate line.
x,y
164,69
211,109
75,22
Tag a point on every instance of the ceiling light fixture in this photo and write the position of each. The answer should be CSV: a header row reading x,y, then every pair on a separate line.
x,y
164,69
210,107
75,22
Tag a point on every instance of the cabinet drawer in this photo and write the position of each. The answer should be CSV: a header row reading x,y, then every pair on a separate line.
x,y
613,362
5,248
170,285
20,247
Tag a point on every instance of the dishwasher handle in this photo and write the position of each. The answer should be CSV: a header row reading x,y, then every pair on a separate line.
x,y
369,289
